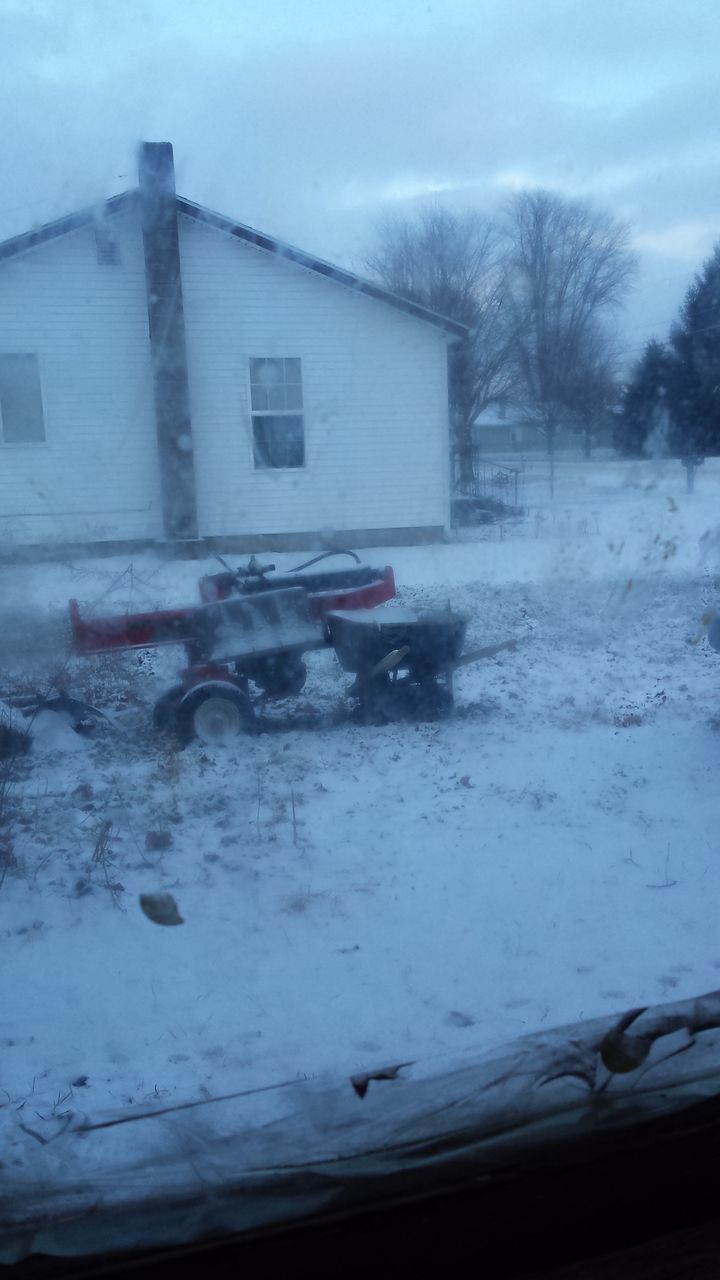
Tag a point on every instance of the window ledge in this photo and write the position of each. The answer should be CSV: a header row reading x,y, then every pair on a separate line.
x,y
23,444
276,471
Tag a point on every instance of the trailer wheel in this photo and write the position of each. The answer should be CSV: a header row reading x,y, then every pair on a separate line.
x,y
215,713
431,700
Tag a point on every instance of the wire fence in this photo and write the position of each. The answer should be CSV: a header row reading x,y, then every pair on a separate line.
x,y
491,486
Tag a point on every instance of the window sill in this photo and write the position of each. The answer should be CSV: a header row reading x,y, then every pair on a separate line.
x,y
279,471
23,444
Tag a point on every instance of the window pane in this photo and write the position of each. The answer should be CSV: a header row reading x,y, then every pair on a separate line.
x,y
276,398
259,397
266,373
20,400
279,441
276,384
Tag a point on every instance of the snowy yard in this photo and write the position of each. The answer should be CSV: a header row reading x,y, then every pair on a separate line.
x,y
360,895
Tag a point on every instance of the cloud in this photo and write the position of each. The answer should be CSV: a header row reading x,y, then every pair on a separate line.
x,y
309,121
516,180
690,242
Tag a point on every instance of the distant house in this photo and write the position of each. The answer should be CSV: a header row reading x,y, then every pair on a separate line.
x,y
509,427
167,374
505,428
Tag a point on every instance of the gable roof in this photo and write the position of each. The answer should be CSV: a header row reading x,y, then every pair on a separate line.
x,y
63,226
127,200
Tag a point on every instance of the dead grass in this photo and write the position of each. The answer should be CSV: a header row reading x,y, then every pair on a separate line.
x,y
629,719
102,858
298,903
158,841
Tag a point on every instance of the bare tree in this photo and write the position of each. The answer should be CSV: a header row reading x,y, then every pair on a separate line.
x,y
568,267
594,388
454,264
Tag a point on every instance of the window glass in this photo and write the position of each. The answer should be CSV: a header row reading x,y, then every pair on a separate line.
x,y
278,440
409,313
21,410
278,429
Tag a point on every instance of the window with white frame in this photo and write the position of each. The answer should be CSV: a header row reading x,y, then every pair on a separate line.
x,y
21,409
277,417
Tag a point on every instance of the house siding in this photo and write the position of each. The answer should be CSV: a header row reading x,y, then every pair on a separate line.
x,y
96,476
374,397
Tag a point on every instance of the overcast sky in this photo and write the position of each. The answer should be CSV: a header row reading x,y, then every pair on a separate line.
x,y
310,118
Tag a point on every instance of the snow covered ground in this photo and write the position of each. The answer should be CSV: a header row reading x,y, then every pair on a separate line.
x,y
357,895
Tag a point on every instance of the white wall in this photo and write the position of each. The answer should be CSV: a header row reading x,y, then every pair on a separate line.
x,y
374,388
96,476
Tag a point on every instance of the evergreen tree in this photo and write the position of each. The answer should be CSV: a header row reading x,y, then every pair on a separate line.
x,y
695,379
644,424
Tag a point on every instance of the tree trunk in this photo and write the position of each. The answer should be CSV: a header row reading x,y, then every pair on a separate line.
x,y
464,450
551,455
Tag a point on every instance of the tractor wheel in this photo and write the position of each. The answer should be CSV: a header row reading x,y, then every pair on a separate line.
x,y
216,713
165,708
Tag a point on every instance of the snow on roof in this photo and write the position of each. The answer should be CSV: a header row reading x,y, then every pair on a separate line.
x,y
126,200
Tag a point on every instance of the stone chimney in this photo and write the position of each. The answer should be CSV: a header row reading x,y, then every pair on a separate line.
x,y
166,323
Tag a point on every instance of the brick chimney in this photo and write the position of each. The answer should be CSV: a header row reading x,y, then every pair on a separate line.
x,y
166,323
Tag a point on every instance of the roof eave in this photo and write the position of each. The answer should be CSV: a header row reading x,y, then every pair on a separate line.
x,y
63,226
271,244
116,204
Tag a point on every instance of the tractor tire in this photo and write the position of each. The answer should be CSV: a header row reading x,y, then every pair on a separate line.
x,y
166,707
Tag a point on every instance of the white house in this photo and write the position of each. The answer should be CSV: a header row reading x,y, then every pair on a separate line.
x,y
167,374
507,427
504,427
